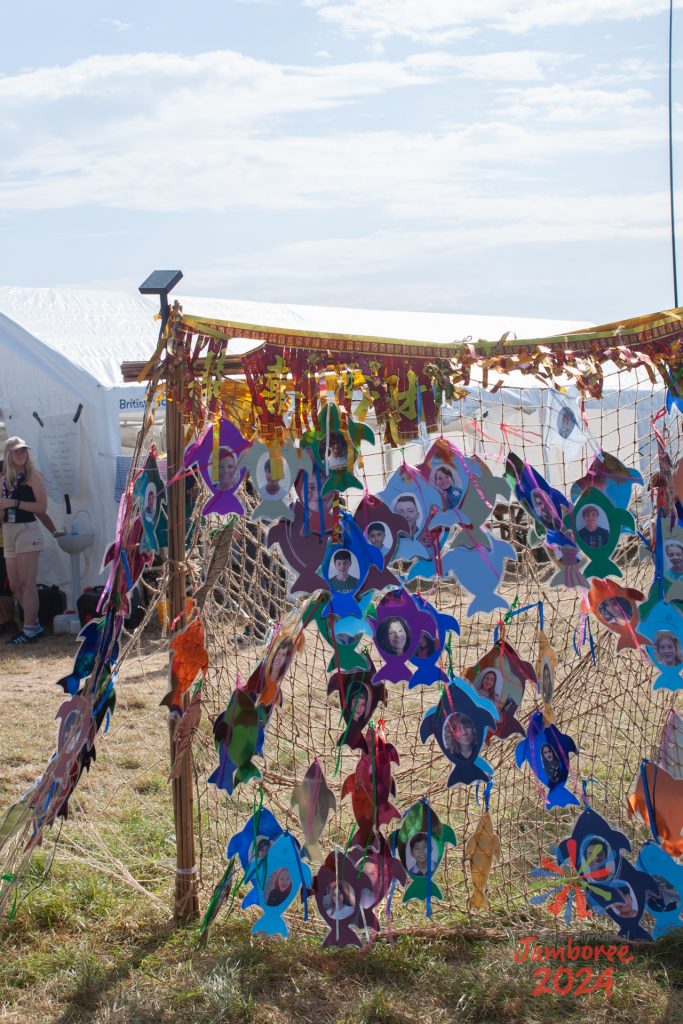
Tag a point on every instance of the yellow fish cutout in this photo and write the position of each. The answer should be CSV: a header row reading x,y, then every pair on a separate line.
x,y
481,849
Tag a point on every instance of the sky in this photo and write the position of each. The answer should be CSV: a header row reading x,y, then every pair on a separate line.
x,y
507,157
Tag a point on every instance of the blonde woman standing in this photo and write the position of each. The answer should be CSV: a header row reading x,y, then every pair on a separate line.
x,y
23,499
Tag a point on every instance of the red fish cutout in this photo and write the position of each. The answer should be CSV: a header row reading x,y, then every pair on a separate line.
x,y
501,676
371,787
189,659
617,608
665,795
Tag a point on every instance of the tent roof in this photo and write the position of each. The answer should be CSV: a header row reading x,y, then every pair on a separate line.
x,y
99,330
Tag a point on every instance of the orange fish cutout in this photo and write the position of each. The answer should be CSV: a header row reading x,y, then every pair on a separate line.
x,y
617,608
189,658
666,800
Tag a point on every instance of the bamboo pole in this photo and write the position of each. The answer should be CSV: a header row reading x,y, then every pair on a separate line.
x,y
186,906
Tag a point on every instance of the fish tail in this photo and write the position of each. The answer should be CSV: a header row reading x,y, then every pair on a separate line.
x,y
478,900
246,772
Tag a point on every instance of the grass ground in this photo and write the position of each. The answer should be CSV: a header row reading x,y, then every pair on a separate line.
x,y
85,945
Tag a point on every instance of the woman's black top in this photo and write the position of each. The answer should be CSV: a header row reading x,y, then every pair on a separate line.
x,y
20,492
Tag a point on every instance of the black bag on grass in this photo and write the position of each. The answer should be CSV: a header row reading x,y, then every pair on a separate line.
x,y
51,602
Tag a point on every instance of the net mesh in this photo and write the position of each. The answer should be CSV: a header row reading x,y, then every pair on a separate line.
x,y
603,700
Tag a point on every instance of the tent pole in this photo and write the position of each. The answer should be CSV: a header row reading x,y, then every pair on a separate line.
x,y
186,907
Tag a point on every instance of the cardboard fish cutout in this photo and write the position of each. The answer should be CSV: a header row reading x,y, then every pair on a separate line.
x,y
610,476
343,636
479,570
188,659
672,559
256,838
303,551
238,734
378,865
382,528
314,800
277,883
547,752
265,682
483,847
421,843
612,884
476,507
371,786
662,631
617,608
409,495
445,468
658,799
666,908
460,723
568,559
345,567
562,423
398,626
93,642
431,645
125,560
500,676
224,480
545,504
596,525
335,446
671,745
340,894
358,698
273,471
149,492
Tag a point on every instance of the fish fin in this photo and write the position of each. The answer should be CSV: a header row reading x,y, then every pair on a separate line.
x,y
559,796
478,901
246,772
270,925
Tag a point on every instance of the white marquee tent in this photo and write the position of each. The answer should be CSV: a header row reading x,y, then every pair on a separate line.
x,y
62,348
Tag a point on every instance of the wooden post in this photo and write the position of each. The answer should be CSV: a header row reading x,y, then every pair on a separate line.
x,y
186,907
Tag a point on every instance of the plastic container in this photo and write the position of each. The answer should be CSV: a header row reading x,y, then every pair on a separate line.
x,y
68,623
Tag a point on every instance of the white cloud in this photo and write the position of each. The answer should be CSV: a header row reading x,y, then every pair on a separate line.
x,y
118,26
443,20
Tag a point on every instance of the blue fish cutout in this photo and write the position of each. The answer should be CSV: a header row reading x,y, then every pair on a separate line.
x,y
460,723
252,844
665,908
547,750
277,884
345,567
431,645
480,572
94,638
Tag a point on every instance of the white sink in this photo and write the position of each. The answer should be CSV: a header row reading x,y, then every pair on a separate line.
x,y
74,543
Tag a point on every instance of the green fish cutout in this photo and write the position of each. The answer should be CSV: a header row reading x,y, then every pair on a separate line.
x,y
335,448
421,843
597,525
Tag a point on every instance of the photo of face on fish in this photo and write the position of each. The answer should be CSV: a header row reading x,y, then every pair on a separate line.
x,y
334,446
409,495
421,843
220,474
617,608
663,633
398,626
596,526
545,504
358,699
460,723
511,676
431,644
273,471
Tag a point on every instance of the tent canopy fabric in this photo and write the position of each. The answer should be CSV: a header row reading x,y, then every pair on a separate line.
x,y
99,330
